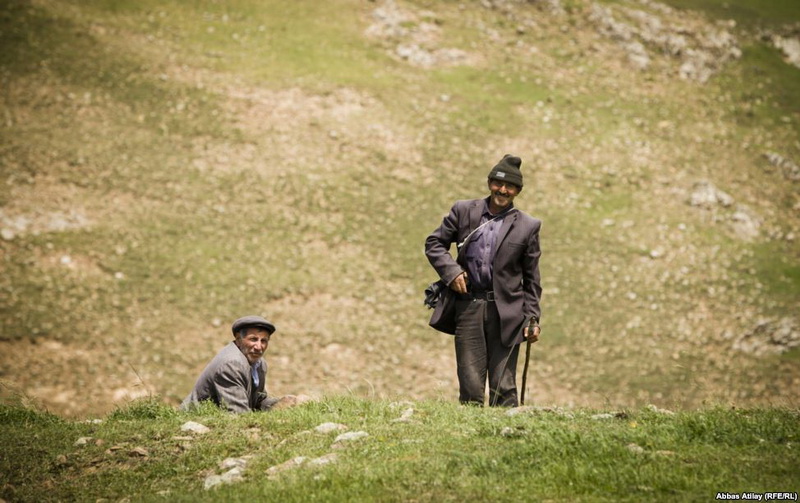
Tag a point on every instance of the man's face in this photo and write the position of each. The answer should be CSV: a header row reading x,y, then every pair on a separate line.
x,y
502,194
253,344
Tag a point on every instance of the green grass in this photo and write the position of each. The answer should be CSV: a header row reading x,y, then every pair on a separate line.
x,y
445,452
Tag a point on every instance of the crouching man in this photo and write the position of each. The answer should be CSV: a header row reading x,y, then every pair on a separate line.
x,y
236,378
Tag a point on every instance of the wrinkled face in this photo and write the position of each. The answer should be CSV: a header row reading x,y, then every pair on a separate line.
x,y
253,344
502,194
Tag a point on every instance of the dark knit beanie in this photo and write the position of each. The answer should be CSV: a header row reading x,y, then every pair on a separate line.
x,y
507,170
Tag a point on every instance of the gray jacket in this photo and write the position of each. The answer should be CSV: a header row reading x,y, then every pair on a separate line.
x,y
227,382
516,281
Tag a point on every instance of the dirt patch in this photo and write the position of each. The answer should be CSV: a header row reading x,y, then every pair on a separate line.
x,y
293,131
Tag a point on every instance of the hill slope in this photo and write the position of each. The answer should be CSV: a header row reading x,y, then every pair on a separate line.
x,y
169,167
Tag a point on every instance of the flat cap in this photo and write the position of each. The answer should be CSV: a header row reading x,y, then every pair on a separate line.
x,y
252,321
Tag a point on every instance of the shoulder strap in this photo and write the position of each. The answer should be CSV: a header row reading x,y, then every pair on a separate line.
x,y
466,239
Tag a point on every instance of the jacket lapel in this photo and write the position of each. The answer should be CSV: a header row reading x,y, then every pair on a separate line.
x,y
508,222
475,212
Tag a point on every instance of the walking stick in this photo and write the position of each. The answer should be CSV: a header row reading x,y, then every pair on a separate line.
x,y
525,370
527,360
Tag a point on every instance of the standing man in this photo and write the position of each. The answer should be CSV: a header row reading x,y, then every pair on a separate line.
x,y
495,279
235,379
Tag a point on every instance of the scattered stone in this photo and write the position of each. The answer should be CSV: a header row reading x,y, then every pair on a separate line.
x,y
194,427
405,416
510,432
329,427
789,168
82,441
745,224
636,449
57,221
228,463
286,465
706,195
660,411
61,460
411,37
603,416
701,49
139,452
324,460
349,437
790,46
298,461
231,476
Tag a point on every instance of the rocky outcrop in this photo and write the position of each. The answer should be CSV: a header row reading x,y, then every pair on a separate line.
x,y
786,40
744,223
700,48
789,168
412,36
769,337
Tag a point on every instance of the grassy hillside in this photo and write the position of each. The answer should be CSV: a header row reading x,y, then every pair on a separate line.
x,y
169,166
425,451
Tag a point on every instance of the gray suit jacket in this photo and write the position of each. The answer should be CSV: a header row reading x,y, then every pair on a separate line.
x,y
515,281
227,382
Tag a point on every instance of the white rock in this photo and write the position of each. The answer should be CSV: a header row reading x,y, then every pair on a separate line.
x,y
790,48
350,436
82,441
195,427
329,427
706,195
508,431
405,416
660,411
636,449
745,223
229,477
324,460
286,465
233,463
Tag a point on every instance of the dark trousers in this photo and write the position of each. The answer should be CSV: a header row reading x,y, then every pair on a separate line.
x,y
479,353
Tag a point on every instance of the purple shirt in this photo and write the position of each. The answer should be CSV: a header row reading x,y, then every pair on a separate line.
x,y
481,249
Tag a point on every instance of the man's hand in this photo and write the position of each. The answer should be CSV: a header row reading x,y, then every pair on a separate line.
x,y
459,284
533,335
